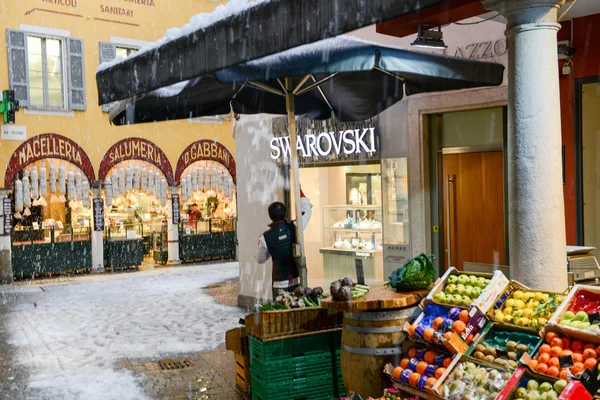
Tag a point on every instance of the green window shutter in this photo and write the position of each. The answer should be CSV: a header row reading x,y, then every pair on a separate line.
x,y
18,68
108,52
76,70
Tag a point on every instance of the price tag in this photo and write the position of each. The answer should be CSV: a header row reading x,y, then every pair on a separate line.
x,y
594,317
360,271
7,210
98,210
565,361
175,208
502,353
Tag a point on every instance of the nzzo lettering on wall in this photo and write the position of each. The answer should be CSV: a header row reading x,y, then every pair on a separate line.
x,y
328,146
491,49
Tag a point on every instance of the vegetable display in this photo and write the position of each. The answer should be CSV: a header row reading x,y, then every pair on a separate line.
x,y
528,309
473,382
417,274
532,389
301,297
346,290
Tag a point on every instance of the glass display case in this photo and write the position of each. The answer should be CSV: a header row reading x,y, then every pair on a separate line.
x,y
123,241
352,232
207,239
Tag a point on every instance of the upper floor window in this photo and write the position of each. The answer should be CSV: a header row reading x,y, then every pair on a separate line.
x,y
46,72
124,52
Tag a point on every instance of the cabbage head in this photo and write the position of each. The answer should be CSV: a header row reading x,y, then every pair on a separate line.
x,y
416,274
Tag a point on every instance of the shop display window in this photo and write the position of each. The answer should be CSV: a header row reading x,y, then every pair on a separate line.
x,y
352,228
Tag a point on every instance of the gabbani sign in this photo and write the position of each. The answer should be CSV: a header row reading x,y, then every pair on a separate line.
x,y
205,150
350,141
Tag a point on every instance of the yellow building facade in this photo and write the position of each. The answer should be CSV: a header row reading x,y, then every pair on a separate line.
x,y
52,51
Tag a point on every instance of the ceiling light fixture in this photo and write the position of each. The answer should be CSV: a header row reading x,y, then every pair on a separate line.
x,y
428,38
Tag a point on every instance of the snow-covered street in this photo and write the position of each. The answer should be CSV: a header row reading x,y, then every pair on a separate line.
x,y
67,336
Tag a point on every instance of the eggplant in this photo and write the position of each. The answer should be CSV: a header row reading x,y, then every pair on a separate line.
x,y
299,291
345,293
318,291
334,289
347,282
308,292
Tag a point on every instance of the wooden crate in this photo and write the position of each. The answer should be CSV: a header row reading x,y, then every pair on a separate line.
x,y
242,372
236,340
274,325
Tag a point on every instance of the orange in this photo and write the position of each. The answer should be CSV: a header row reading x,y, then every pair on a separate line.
x,y
566,353
564,374
566,343
598,350
464,316
447,362
470,339
589,353
556,342
554,362
577,368
412,353
411,330
544,358
590,363
404,363
555,351
430,356
553,371
428,334
545,348
431,382
533,364
550,336
542,368
421,367
458,326
396,372
577,346
439,372
437,322
413,379
577,357
589,346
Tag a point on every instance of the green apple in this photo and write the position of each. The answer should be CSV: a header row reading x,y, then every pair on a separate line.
x,y
452,278
457,299
451,288
549,396
472,280
568,315
533,395
565,322
545,387
521,392
440,297
470,292
463,279
581,316
466,301
460,289
560,385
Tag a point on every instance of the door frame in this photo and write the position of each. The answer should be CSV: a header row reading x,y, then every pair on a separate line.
x,y
578,110
437,179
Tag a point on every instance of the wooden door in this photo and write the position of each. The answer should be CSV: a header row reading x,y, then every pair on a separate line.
x,y
473,208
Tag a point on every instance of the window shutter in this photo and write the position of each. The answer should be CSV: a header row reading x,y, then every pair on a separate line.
x,y
108,52
18,67
76,71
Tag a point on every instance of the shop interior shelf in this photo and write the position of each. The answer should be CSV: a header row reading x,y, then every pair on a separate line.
x,y
357,230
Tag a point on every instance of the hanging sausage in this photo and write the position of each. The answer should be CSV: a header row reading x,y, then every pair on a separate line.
x,y
108,190
43,182
26,196
195,179
85,193
183,189
18,199
121,181
71,191
151,182
62,183
144,180
115,184
52,178
129,178
78,186
188,183
136,177
35,188
163,191
213,179
201,178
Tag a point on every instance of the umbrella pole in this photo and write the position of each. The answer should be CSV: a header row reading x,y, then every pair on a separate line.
x,y
291,114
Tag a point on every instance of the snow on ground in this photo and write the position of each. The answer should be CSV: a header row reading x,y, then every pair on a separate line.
x,y
69,335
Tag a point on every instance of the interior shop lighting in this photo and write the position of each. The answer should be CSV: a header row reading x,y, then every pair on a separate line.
x,y
430,37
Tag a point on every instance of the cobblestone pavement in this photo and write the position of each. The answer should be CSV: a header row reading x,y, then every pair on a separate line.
x,y
103,336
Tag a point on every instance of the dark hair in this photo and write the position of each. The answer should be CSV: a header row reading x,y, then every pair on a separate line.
x,y
194,205
277,211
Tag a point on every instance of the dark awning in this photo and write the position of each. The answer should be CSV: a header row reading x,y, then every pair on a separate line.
x,y
267,28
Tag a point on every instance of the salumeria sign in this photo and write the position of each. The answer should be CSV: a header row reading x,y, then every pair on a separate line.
x,y
350,141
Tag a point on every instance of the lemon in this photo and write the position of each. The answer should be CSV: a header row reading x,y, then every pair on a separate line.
x,y
542,321
510,303
525,321
508,318
533,304
499,316
519,304
527,312
538,296
516,320
507,311
518,295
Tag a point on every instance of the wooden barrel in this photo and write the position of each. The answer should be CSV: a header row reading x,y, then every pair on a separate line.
x,y
370,340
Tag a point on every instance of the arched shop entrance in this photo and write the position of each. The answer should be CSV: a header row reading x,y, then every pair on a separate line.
x,y
135,176
206,175
50,177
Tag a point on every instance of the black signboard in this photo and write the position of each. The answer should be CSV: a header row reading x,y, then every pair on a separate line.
x,y
7,209
175,208
98,214
360,272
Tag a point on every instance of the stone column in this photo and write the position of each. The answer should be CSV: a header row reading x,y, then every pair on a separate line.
x,y
536,217
172,232
97,240
6,272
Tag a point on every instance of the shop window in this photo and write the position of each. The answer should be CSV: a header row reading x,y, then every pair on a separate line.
x,y
124,52
45,71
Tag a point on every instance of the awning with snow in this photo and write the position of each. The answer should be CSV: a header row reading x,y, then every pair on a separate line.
x,y
238,32
351,79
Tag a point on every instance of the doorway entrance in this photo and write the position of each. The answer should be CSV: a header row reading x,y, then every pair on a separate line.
x,y
469,179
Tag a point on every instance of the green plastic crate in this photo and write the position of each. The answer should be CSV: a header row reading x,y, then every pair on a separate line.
x,y
314,388
338,381
292,368
286,348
